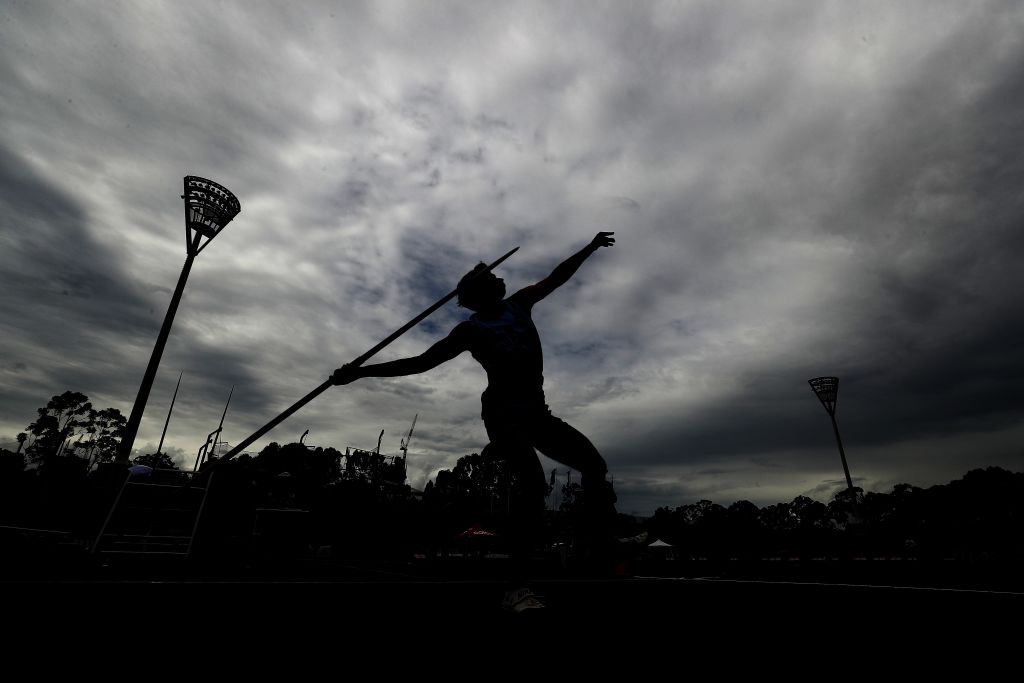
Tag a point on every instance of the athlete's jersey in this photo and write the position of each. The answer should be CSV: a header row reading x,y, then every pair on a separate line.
x,y
508,347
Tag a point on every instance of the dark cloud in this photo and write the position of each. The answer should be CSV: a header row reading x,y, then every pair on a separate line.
x,y
795,191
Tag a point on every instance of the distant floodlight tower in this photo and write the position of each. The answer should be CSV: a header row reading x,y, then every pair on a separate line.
x,y
827,391
209,207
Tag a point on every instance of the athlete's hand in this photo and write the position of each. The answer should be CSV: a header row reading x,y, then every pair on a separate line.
x,y
346,374
603,239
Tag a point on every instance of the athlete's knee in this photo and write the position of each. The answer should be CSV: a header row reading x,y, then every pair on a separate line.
x,y
604,491
598,491
594,472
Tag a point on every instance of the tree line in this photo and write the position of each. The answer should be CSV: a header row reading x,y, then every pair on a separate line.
x,y
359,502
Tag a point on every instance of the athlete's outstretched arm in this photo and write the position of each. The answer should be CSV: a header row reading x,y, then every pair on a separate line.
x,y
441,352
564,270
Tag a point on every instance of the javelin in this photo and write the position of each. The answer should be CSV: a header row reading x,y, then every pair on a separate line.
x,y
357,362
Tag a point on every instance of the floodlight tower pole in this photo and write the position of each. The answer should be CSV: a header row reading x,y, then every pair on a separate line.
x,y
827,391
208,208
842,453
132,427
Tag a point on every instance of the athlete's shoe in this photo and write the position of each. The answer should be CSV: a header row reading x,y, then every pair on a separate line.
x,y
521,600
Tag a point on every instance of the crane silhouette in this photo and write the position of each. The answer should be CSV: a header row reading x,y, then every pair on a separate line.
x,y
405,446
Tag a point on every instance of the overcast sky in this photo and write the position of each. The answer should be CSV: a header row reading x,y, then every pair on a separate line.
x,y
797,189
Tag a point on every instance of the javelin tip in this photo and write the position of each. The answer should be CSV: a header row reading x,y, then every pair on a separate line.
x,y
504,257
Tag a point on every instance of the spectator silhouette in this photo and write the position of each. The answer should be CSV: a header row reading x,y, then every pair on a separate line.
x,y
501,336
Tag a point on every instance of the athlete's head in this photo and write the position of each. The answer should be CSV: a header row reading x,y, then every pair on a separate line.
x,y
478,290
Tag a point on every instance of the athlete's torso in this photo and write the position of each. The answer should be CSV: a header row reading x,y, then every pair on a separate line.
x,y
508,347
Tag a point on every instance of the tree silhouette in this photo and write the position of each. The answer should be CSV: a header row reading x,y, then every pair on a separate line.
x,y
58,420
65,416
158,461
362,465
845,508
572,498
107,429
745,531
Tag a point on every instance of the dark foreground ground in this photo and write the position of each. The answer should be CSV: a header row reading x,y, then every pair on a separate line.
x,y
642,628
321,608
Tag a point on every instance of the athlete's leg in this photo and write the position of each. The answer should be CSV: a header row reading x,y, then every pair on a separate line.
x,y
563,443
524,528
510,442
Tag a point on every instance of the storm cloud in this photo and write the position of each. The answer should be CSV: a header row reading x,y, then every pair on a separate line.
x,y
797,189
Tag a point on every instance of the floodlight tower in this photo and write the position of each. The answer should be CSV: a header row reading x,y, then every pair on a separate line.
x,y
209,207
827,391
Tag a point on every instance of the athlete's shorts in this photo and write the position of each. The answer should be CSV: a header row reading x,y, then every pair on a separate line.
x,y
516,428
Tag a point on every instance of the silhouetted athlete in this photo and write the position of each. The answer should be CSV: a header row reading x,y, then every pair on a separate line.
x,y
501,336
